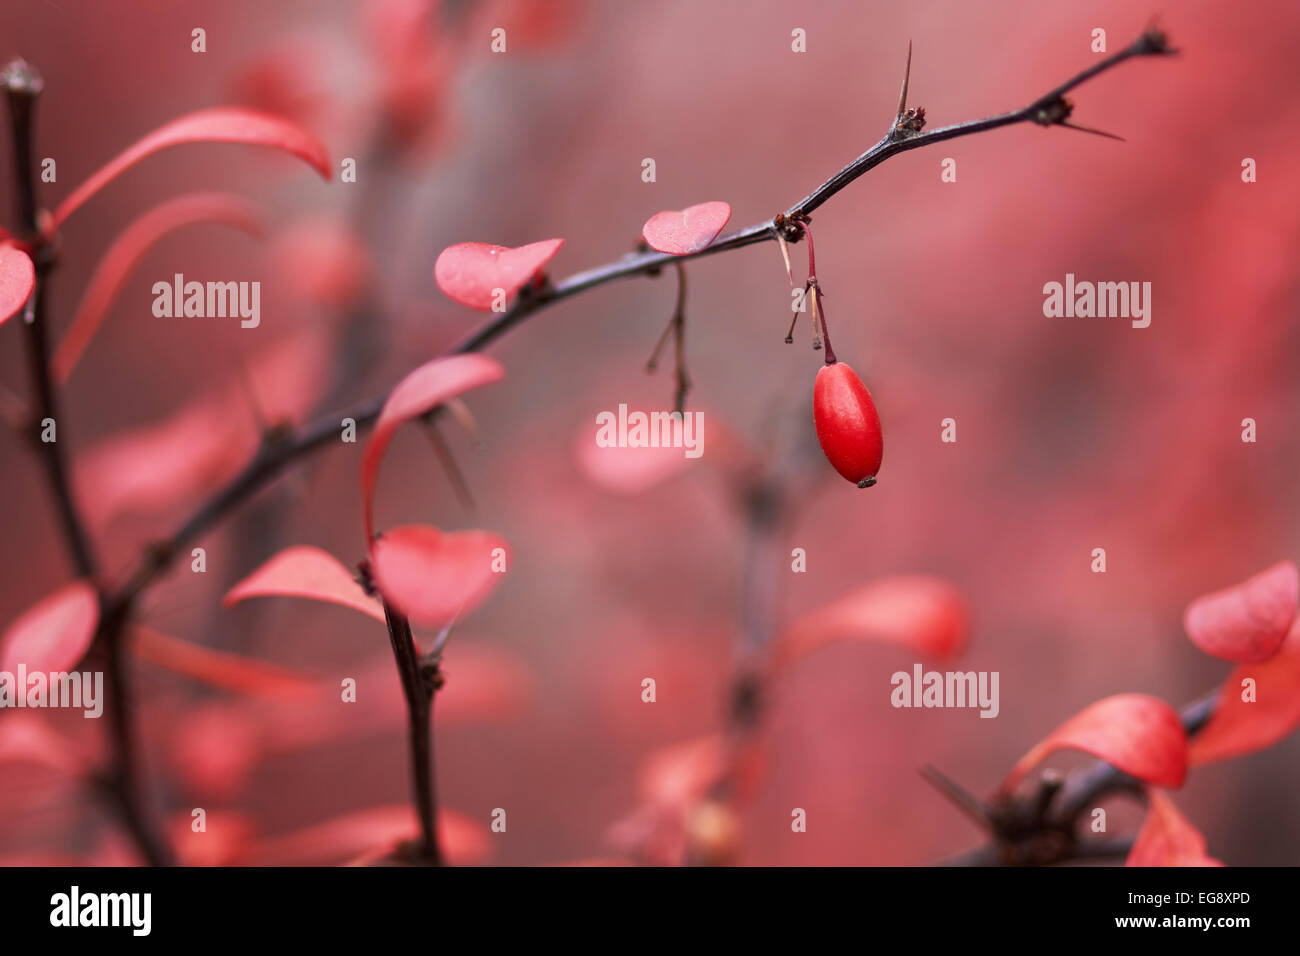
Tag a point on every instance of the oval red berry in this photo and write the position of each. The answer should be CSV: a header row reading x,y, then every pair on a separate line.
x,y
848,425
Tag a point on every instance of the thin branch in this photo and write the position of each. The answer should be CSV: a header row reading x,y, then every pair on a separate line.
x,y
282,447
1040,828
419,693
276,455
23,86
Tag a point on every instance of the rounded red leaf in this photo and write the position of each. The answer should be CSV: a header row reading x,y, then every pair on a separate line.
x,y
924,614
1139,734
125,254
1167,838
1246,623
17,279
53,634
306,572
476,274
229,124
420,392
431,576
1258,705
684,232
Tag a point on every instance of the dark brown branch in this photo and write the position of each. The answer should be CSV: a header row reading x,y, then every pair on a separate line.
x,y
282,447
418,686
1041,828
275,455
23,86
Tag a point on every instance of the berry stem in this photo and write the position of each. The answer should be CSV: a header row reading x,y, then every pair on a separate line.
x,y
819,310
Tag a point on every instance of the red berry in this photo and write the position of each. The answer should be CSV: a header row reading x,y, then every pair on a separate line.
x,y
848,425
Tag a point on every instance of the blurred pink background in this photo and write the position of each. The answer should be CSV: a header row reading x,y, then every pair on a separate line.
x,y
1072,433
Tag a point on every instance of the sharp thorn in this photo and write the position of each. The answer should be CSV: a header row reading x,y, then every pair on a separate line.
x,y
1089,129
907,75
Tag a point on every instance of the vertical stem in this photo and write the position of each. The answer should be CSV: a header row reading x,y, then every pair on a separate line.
x,y
23,86
124,771
419,694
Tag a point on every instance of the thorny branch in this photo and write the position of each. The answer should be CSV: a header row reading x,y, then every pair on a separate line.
x,y
1041,827
282,446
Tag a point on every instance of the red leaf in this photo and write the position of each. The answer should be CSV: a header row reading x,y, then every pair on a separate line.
x,y
17,279
420,392
324,261
413,72
464,841
923,614
223,841
1240,727
125,254
1139,734
1167,838
627,470
686,231
214,748
217,668
1246,623
26,738
53,634
306,572
167,464
230,124
471,272
432,577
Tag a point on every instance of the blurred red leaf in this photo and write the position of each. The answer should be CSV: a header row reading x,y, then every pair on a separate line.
x,y
1167,838
217,668
1240,727
160,466
626,470
285,81
53,634
230,124
214,748
323,261
224,839
306,572
921,613
170,463
125,254
1139,734
431,576
464,841
471,272
1248,622
17,279
420,392
412,70
26,738
681,232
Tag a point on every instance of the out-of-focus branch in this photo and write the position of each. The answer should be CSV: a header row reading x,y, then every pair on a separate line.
x,y
1040,828
23,86
282,449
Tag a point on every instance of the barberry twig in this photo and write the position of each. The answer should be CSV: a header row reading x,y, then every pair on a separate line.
x,y
1041,827
281,447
